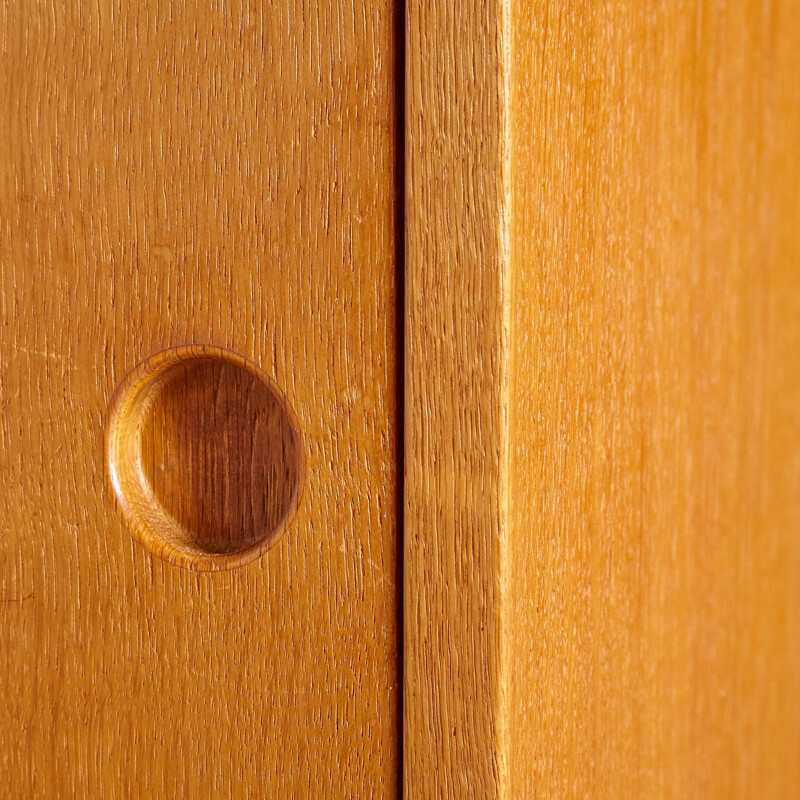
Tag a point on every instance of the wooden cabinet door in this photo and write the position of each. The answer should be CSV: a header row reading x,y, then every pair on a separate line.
x,y
174,175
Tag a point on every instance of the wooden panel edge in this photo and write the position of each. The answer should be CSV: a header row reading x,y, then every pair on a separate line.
x,y
456,398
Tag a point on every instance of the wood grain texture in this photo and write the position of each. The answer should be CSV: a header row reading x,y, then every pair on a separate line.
x,y
654,544
456,394
216,173
603,501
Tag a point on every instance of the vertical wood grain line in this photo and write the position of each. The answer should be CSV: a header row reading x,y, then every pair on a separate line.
x,y
456,397
399,45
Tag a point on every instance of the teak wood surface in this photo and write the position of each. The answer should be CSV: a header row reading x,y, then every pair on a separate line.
x,y
456,389
198,173
602,498
599,534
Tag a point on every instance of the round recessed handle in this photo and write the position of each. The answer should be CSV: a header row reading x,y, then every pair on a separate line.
x,y
205,456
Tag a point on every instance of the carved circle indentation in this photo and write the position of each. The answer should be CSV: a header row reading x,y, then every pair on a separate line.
x,y
205,457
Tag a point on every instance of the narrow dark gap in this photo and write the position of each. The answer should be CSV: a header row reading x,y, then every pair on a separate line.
x,y
400,332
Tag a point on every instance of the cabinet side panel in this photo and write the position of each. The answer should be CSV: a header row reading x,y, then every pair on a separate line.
x,y
654,523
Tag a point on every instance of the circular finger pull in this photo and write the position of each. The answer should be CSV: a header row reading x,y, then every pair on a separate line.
x,y
205,457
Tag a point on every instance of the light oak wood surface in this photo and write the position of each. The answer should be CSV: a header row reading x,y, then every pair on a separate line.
x,y
600,551
199,173
602,499
654,546
456,427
